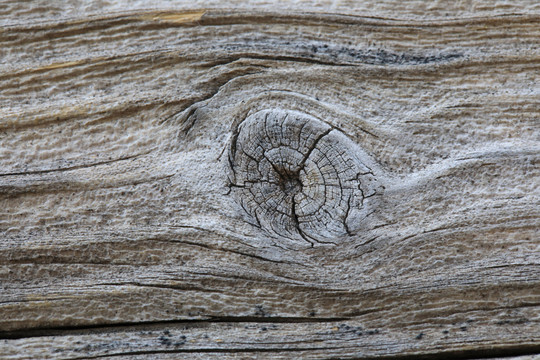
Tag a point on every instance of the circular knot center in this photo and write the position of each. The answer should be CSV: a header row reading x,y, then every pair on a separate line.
x,y
290,183
297,177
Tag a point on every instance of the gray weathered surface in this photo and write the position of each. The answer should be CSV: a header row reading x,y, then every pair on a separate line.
x,y
115,182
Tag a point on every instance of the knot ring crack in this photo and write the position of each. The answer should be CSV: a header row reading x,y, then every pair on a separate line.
x,y
298,177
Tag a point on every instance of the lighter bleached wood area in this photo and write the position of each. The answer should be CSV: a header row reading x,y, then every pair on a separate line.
x,y
139,172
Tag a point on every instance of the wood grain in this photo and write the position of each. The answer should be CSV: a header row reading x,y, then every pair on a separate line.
x,y
120,234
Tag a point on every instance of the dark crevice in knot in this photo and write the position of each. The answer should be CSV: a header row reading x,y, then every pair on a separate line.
x,y
289,182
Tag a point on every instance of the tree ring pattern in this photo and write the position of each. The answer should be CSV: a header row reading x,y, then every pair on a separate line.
x,y
296,176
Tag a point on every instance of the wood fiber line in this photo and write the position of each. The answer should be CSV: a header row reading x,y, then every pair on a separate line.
x,y
319,180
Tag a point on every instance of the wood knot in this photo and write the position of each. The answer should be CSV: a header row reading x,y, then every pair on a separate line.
x,y
298,177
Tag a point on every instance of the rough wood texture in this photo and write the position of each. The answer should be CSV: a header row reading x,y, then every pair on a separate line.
x,y
124,230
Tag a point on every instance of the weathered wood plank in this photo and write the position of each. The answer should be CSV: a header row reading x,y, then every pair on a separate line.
x,y
117,205
281,340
